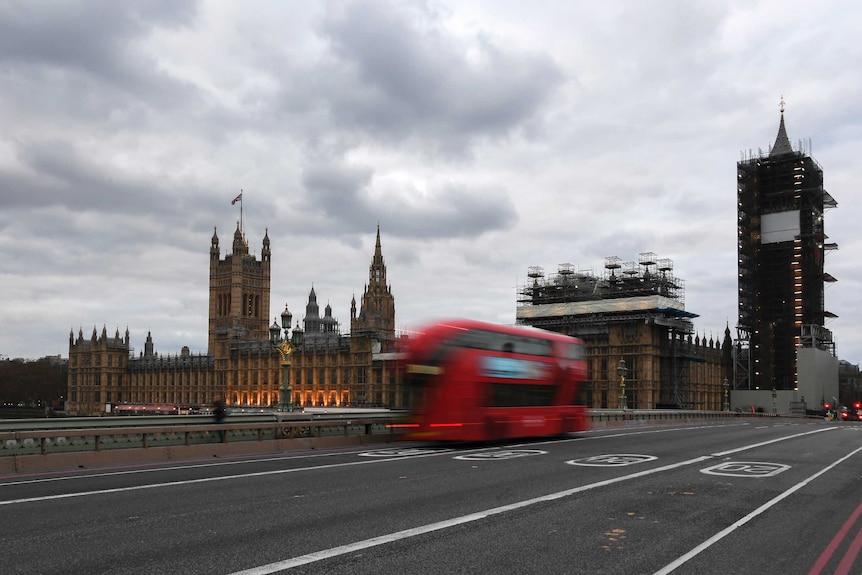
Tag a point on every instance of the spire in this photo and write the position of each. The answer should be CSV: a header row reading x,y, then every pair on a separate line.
x,y
782,142
312,314
214,249
376,314
377,270
266,253
148,345
377,251
239,244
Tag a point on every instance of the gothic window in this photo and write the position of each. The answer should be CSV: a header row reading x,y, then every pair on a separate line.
x,y
632,366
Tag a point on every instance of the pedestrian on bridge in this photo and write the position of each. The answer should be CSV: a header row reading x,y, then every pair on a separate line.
x,y
219,414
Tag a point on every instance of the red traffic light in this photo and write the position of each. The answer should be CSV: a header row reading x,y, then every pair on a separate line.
x,y
826,405
857,405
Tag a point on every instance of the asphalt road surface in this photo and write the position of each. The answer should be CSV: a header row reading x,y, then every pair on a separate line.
x,y
772,496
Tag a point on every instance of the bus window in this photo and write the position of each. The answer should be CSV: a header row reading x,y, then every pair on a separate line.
x,y
573,351
521,395
492,341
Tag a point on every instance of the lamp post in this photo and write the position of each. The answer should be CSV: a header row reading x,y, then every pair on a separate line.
x,y
726,387
285,402
622,371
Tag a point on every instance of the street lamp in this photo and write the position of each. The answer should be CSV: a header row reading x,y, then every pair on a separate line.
x,y
285,349
286,318
726,387
274,333
622,371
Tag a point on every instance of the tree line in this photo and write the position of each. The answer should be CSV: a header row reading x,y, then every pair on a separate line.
x,y
33,383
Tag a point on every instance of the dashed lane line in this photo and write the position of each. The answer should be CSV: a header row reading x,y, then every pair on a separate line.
x,y
440,525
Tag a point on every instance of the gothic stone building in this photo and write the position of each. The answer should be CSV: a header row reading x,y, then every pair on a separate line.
x,y
329,369
242,364
634,312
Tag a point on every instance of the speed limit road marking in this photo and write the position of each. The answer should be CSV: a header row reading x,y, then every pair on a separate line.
x,y
746,469
612,460
409,452
500,455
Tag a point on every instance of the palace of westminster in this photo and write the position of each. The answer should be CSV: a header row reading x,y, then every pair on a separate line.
x,y
246,358
632,319
250,364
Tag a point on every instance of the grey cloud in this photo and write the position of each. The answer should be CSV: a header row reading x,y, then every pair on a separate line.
x,y
88,53
90,35
398,79
84,195
336,190
63,176
342,195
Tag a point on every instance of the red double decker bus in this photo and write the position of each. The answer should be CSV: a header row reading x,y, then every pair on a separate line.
x,y
474,381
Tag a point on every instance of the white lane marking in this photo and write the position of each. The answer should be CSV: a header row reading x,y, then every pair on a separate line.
x,y
311,468
375,541
762,443
175,467
422,529
208,479
600,434
595,434
727,531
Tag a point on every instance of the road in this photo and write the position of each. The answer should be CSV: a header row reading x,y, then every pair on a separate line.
x,y
759,496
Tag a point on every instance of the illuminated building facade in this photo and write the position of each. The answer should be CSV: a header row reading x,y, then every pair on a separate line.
x,y
328,368
242,364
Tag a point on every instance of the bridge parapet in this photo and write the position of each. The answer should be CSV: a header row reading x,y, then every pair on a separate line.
x,y
33,450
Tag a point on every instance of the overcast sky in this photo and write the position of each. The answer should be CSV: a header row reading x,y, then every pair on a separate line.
x,y
483,138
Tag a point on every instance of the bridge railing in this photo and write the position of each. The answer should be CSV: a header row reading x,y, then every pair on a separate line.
x,y
111,434
99,439
602,417
134,441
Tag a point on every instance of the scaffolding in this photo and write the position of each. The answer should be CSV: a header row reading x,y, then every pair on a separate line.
x,y
781,248
650,275
628,295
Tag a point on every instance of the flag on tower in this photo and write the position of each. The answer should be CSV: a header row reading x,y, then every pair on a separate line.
x,y
237,199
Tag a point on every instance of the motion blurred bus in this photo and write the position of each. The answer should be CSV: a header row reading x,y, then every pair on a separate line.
x,y
474,381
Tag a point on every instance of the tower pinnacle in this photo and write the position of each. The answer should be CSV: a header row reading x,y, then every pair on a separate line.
x,y
782,142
